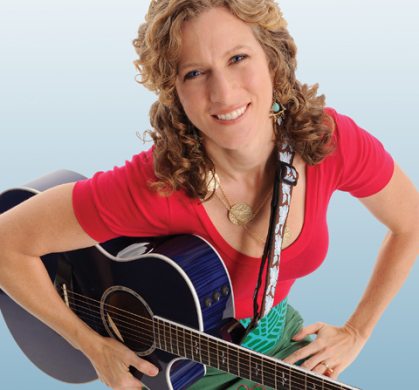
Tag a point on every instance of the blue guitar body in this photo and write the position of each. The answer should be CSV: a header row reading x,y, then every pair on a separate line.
x,y
181,278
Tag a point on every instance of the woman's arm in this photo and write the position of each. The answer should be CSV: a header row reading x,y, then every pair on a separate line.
x,y
44,224
397,207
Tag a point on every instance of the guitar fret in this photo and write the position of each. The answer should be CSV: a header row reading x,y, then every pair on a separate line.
x,y
244,364
223,358
184,344
196,348
283,380
164,337
200,349
212,353
158,340
263,379
315,384
286,378
234,361
255,369
276,383
205,351
268,374
170,337
290,379
218,356
181,342
188,345
176,333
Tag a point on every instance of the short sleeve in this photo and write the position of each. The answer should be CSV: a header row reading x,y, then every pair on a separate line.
x,y
366,167
120,203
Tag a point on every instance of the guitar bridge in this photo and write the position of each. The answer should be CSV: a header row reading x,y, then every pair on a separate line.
x,y
65,297
64,281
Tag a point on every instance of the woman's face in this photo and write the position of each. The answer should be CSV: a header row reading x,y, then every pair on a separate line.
x,y
224,82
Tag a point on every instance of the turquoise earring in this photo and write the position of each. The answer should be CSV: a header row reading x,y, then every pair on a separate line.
x,y
277,111
197,137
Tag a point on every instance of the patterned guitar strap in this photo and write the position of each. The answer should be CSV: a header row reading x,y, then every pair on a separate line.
x,y
286,178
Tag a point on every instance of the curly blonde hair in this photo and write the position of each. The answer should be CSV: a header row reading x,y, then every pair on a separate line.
x,y
179,162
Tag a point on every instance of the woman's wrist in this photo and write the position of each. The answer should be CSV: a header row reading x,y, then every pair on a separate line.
x,y
80,336
357,332
361,325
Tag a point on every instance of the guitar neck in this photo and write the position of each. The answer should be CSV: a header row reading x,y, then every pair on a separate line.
x,y
239,361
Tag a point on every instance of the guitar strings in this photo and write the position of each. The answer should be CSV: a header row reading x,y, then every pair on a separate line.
x,y
169,333
208,359
92,318
171,344
179,349
97,315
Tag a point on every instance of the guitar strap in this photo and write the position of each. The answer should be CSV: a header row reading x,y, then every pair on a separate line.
x,y
286,178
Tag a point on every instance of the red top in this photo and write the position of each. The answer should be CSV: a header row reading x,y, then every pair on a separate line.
x,y
119,203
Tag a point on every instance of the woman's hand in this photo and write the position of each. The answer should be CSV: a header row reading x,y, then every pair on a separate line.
x,y
334,348
112,360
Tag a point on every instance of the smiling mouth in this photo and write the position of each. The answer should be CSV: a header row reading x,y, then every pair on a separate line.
x,y
232,115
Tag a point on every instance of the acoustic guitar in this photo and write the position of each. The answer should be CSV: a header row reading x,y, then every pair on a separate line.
x,y
169,299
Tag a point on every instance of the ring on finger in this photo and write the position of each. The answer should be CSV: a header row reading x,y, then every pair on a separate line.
x,y
328,369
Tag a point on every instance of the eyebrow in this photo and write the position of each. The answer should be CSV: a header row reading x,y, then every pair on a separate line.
x,y
226,54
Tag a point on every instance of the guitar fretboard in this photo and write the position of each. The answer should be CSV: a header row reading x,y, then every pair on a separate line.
x,y
237,360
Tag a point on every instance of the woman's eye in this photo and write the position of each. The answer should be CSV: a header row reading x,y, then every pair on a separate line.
x,y
238,58
192,74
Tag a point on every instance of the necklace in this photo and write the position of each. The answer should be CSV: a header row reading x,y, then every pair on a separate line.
x,y
241,213
243,225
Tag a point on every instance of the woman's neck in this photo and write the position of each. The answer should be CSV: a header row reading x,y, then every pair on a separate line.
x,y
254,164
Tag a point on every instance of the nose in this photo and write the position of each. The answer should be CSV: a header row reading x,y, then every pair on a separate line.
x,y
221,87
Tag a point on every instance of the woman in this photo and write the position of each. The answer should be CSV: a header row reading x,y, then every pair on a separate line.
x,y
222,68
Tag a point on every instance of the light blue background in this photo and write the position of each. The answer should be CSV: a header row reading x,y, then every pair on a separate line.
x,y
68,100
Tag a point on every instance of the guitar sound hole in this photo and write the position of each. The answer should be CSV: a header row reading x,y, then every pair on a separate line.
x,y
129,320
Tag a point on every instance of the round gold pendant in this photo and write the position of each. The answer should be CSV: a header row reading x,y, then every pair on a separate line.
x,y
287,237
240,214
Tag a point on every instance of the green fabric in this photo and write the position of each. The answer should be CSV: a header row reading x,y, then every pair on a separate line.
x,y
218,380
269,330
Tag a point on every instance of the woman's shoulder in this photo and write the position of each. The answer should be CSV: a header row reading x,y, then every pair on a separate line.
x,y
348,136
343,124
142,162
119,202
363,165
136,172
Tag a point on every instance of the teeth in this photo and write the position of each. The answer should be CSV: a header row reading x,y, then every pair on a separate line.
x,y
232,115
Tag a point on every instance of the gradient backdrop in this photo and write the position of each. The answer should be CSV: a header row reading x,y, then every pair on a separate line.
x,y
68,100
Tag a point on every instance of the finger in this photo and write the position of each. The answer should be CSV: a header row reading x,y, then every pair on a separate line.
x,y
305,352
323,368
144,366
315,363
307,330
302,353
336,372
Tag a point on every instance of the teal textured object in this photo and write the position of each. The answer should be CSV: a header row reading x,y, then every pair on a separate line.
x,y
275,107
269,330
